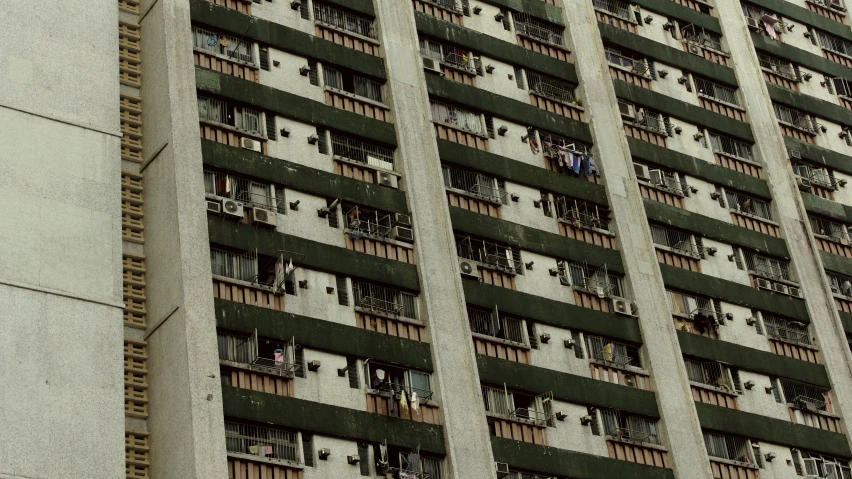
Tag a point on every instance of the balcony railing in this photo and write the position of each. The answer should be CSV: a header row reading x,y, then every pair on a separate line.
x,y
384,300
678,241
361,151
748,205
329,15
264,442
710,373
225,45
527,25
457,117
805,396
551,88
785,330
490,254
473,183
581,213
767,267
612,352
490,323
629,428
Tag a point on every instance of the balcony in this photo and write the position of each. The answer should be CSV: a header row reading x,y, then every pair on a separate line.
x,y
833,9
224,53
790,338
735,155
555,96
718,98
808,405
816,180
831,236
677,248
584,221
695,314
564,155
455,63
446,10
796,123
386,387
749,212
493,263
644,123
616,362
628,66
258,451
249,278
633,439
540,37
266,366
517,416
779,71
232,125
355,93
712,383
242,6
594,288
617,13
704,43
474,191
359,159
345,28
499,336
458,125
841,288
376,233
387,311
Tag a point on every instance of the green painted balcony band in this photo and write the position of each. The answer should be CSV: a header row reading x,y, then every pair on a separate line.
x,y
566,387
576,465
735,293
803,15
715,229
326,420
292,106
300,177
685,14
506,108
287,39
823,207
520,172
323,335
836,263
820,108
801,57
532,239
551,312
494,47
816,154
750,359
319,256
771,430
534,8
846,320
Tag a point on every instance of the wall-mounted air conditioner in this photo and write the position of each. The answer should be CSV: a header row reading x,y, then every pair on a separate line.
x,y
387,179
762,283
250,144
263,217
400,219
468,269
214,207
232,208
780,288
622,306
401,233
641,171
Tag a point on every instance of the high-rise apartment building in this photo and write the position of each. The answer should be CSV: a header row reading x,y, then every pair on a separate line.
x,y
426,239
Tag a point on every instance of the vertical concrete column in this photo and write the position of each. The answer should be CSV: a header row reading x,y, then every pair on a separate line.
x,y
674,398
185,395
789,209
465,430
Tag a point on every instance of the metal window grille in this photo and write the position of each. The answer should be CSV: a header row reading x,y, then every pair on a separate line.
x,y
230,46
473,183
786,330
489,126
676,240
545,32
344,20
819,176
710,373
806,396
650,119
715,90
840,284
501,257
505,403
519,78
369,221
730,146
491,323
816,465
261,441
449,55
728,447
372,297
351,83
777,66
833,43
361,151
581,213
313,72
768,267
628,60
243,348
457,117
619,8
612,352
667,180
752,11
690,305
629,427
597,280
551,87
794,117
826,227
239,266
747,204
271,130
342,291
247,191
842,86
218,111
698,35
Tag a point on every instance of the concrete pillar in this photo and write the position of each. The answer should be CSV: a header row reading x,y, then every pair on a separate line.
x,y
185,395
457,379
788,208
674,398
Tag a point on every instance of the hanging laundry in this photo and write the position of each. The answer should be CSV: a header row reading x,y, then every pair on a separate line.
x,y
403,406
587,166
769,23
278,355
576,164
593,166
253,449
268,450
607,352
415,402
533,146
227,185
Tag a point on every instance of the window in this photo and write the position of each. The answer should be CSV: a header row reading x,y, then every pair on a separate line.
x,y
384,377
710,373
629,427
690,305
545,32
270,443
518,406
840,284
473,183
716,91
628,60
493,255
595,280
786,330
344,20
361,151
491,323
367,221
392,461
252,193
239,266
833,43
643,117
224,113
670,181
694,34
452,56
675,240
457,117
767,267
794,117
612,352
831,229
551,87
351,83
817,465
730,146
778,66
728,447
842,87
805,396
619,8
581,213
269,356
380,299
746,204
819,176
223,45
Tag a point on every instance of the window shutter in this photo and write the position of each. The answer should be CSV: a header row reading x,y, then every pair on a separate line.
x,y
519,78
364,456
668,124
264,58
578,345
271,132
308,448
322,143
305,10
797,462
299,369
699,242
532,335
477,63
738,385
776,390
466,7
313,74
352,372
652,70
489,125
596,427
342,291
332,215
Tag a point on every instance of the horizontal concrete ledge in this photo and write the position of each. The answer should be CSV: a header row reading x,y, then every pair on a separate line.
x,y
771,430
846,319
836,263
535,8
823,207
819,155
323,419
688,15
802,57
577,465
754,360
566,387
319,256
301,178
323,335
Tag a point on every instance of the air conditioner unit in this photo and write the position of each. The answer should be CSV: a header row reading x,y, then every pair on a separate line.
x,y
804,184
795,292
502,470
400,233
626,110
656,177
695,50
622,306
263,217
762,283
387,179
232,208
468,268
431,65
250,144
780,288
214,206
379,163
641,171
753,23
564,281
400,219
